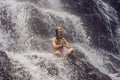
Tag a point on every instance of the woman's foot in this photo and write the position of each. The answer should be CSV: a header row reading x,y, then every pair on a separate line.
x,y
68,52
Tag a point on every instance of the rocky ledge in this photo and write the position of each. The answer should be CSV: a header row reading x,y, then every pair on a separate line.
x,y
5,67
83,69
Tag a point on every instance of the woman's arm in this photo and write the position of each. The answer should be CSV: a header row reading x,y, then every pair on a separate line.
x,y
55,45
66,44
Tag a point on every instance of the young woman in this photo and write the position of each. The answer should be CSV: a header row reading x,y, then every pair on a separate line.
x,y
59,42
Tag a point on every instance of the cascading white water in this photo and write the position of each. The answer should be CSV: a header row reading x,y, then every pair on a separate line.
x,y
36,65
43,65
55,4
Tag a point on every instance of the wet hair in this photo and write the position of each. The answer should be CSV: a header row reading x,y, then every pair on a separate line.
x,y
56,32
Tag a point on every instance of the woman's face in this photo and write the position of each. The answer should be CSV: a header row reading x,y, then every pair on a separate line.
x,y
59,29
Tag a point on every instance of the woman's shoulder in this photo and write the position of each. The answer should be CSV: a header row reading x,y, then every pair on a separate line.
x,y
53,39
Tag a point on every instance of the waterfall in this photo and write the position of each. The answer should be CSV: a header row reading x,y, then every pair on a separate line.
x,y
23,41
26,38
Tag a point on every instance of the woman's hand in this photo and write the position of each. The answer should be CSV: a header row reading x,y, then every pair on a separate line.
x,y
65,43
60,45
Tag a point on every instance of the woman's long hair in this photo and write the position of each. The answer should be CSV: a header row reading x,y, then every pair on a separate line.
x,y
58,37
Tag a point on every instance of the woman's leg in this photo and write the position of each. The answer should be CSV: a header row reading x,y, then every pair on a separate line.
x,y
57,53
69,51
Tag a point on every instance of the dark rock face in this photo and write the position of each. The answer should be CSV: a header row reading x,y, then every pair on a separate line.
x,y
5,67
115,61
115,4
46,29
83,69
100,23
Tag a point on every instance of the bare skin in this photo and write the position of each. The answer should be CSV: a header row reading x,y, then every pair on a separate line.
x,y
59,43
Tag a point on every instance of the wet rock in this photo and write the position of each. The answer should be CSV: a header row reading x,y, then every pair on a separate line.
x,y
115,61
5,67
83,69
100,20
44,25
53,71
115,4
111,68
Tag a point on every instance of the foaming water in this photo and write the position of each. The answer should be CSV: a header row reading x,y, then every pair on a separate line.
x,y
42,65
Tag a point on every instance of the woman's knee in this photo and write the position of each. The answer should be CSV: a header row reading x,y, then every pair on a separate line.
x,y
58,53
71,49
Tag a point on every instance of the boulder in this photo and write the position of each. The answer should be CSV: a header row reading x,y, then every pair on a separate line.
x,y
83,69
